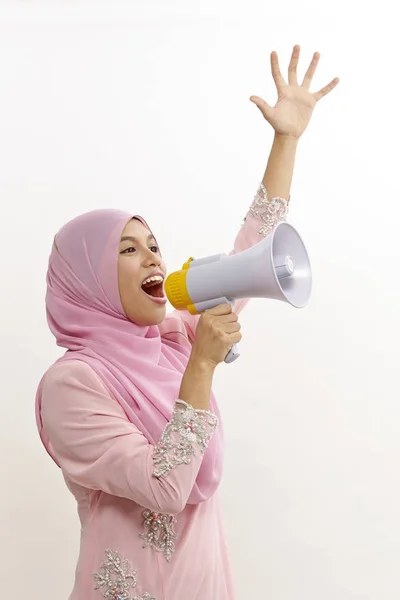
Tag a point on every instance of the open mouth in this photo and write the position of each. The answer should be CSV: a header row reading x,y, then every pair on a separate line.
x,y
154,287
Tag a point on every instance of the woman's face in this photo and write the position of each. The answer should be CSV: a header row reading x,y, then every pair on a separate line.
x,y
143,300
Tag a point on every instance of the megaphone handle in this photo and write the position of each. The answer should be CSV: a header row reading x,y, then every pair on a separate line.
x,y
232,355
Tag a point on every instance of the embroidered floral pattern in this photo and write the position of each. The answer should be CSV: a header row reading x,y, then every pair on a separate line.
x,y
269,212
159,532
189,429
117,579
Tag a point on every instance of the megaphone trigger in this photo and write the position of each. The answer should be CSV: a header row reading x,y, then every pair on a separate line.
x,y
233,353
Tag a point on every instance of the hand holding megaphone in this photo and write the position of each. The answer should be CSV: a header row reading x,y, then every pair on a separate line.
x,y
218,330
278,267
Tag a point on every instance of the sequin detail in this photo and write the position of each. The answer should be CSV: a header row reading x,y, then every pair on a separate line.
x,y
159,532
117,578
269,212
188,430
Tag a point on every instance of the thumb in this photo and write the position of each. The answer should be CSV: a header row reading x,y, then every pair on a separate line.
x,y
220,310
264,107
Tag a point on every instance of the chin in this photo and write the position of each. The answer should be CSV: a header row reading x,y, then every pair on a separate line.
x,y
159,318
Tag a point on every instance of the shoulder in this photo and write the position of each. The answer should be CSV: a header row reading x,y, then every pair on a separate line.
x,y
74,396
71,375
72,382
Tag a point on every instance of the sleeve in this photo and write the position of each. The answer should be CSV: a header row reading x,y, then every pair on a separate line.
x,y
98,448
262,217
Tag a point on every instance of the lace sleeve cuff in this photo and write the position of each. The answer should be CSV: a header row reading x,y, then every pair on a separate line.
x,y
188,431
269,212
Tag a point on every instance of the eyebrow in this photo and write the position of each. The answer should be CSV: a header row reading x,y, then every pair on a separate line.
x,y
129,238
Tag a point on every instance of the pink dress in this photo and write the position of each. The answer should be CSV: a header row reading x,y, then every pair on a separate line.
x,y
140,540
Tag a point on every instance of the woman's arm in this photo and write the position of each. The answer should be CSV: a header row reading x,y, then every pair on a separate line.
x,y
278,174
99,449
289,119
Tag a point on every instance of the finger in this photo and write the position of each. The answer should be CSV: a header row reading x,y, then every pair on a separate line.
x,y
232,327
326,89
311,70
221,309
265,108
276,72
294,61
223,319
235,338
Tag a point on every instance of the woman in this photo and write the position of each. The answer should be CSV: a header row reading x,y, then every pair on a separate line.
x,y
128,412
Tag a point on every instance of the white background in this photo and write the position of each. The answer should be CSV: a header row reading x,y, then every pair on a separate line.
x,y
144,106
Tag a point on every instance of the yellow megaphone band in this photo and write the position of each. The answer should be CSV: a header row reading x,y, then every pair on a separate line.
x,y
176,290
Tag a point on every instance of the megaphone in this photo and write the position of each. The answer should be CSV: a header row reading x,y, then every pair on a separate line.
x,y
278,267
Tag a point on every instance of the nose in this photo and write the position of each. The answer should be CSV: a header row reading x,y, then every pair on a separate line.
x,y
151,259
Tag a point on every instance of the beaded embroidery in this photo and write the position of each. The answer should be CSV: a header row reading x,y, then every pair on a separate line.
x,y
269,212
117,578
187,430
159,532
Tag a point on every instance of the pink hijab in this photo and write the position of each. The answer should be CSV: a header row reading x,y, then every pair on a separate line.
x,y
140,367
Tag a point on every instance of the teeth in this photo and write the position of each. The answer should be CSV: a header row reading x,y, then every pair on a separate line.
x,y
155,279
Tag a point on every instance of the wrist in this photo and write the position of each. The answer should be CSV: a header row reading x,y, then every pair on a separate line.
x,y
201,365
286,139
197,382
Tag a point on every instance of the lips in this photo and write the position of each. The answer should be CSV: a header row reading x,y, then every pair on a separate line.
x,y
153,287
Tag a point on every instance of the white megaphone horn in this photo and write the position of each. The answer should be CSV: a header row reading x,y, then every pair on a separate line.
x,y
278,267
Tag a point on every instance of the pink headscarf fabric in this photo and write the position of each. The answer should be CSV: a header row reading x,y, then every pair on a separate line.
x,y
141,369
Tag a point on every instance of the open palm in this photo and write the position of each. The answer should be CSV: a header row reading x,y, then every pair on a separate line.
x,y
292,112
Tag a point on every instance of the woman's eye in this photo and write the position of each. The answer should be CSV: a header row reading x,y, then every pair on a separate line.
x,y
131,250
